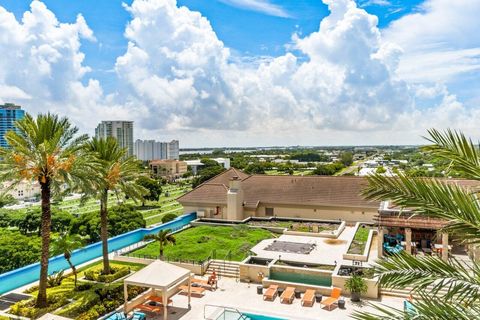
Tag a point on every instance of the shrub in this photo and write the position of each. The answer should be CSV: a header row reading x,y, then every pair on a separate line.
x,y
96,275
55,279
168,217
83,286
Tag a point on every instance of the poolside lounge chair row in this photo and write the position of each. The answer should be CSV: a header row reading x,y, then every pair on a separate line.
x,y
308,298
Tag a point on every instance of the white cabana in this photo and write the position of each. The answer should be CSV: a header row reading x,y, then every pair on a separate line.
x,y
159,276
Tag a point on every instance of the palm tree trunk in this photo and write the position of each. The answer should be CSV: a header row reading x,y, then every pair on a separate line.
x,y
104,230
74,270
45,234
161,250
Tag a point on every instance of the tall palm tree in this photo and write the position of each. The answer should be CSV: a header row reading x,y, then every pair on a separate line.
x,y
65,244
46,149
119,174
460,208
164,238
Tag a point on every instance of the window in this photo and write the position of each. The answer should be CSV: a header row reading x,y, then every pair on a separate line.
x,y
20,193
269,212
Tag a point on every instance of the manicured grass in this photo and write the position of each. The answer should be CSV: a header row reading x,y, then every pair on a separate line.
x,y
198,243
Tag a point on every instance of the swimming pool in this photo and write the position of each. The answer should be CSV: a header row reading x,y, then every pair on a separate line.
x,y
312,279
232,315
28,274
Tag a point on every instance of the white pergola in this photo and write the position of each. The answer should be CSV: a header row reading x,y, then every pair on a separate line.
x,y
159,276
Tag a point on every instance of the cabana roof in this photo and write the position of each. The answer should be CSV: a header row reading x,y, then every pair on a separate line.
x,y
158,275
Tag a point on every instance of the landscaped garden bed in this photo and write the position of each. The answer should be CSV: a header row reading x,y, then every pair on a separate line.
x,y
300,226
359,240
200,243
87,301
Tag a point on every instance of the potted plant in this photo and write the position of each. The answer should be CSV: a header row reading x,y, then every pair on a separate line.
x,y
356,285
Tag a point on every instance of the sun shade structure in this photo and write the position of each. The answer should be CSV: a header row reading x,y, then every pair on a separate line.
x,y
159,276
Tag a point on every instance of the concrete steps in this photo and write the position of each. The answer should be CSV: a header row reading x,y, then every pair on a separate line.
x,y
227,269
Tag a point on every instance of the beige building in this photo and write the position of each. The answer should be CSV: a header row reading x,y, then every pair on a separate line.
x,y
168,168
23,190
234,195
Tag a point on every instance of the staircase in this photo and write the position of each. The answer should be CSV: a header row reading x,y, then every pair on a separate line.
x,y
224,268
405,293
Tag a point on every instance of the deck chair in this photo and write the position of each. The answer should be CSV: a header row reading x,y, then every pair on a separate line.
x,y
271,293
308,298
333,299
193,290
288,295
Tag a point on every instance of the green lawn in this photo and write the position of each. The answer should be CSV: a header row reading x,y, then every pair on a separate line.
x,y
198,243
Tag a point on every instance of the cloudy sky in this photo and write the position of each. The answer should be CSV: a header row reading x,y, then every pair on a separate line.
x,y
248,72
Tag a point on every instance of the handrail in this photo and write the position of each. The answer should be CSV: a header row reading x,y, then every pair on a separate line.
x,y
242,316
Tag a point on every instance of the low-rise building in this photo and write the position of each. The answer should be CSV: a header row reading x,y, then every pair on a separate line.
x,y
23,190
234,195
197,164
168,168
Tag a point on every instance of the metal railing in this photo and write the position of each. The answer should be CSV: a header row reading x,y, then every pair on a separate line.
x,y
222,315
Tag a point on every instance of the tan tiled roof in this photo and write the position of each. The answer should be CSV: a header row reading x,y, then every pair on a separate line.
x,y
284,190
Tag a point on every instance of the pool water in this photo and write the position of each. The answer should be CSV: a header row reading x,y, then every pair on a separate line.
x,y
317,280
232,315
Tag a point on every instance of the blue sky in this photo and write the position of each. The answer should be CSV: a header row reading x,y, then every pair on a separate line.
x,y
248,72
248,32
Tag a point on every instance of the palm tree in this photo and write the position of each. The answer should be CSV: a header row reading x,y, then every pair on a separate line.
x,y
46,150
163,237
119,174
65,244
460,208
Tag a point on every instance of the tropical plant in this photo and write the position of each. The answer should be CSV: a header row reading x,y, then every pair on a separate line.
x,y
46,149
55,279
356,285
65,244
460,208
119,173
163,237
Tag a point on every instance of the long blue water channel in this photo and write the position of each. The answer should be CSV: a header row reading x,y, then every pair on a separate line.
x,y
28,274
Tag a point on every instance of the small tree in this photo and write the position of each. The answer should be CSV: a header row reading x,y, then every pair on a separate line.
x,y
356,285
154,188
163,237
65,244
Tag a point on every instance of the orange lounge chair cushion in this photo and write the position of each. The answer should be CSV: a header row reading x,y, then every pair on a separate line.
x,y
288,294
271,291
309,296
192,289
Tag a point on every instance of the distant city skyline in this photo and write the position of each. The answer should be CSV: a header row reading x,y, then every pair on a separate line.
x,y
248,73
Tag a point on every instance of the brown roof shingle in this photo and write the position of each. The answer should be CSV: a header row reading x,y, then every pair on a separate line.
x,y
284,190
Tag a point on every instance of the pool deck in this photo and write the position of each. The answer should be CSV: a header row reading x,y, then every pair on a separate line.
x,y
325,252
244,297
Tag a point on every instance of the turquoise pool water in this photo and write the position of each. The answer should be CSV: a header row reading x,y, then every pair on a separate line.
x,y
317,280
231,315
25,275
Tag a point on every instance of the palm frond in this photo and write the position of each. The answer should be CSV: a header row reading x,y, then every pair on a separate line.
x,y
431,274
453,146
433,198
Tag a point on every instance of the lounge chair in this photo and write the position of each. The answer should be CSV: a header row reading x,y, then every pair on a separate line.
x,y
270,293
149,308
159,300
138,316
333,299
205,283
308,298
194,290
288,295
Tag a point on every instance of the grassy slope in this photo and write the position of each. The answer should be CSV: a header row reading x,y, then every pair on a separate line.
x,y
197,243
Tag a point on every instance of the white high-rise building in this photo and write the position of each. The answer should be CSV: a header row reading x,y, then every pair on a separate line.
x,y
147,150
120,130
